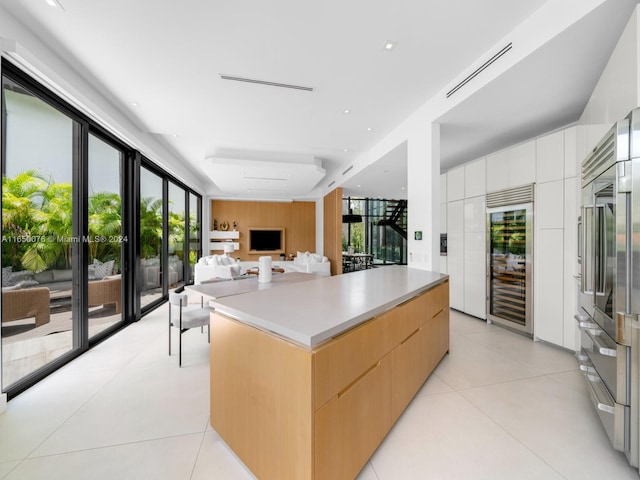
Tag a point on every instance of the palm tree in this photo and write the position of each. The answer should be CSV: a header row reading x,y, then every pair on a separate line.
x,y
22,198
150,227
105,220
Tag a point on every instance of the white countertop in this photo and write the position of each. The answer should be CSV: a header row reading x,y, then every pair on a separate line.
x,y
311,312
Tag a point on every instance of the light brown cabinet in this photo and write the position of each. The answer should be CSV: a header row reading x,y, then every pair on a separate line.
x,y
294,413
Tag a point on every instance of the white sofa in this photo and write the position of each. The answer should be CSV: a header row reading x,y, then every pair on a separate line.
x,y
216,266
210,267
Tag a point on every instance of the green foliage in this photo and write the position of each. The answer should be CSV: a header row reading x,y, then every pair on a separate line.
x,y
150,227
35,207
37,223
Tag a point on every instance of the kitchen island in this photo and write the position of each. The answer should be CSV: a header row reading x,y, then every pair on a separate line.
x,y
308,378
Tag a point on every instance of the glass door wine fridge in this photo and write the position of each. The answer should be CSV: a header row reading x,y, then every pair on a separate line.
x,y
510,258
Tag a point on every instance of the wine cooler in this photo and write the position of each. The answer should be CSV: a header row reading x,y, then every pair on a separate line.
x,y
510,258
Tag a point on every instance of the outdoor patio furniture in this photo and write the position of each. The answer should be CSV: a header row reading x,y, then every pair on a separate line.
x,y
105,292
26,303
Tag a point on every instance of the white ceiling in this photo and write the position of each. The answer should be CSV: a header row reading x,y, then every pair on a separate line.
x,y
258,141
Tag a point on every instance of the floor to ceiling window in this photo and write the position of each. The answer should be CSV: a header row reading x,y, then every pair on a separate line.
x,y
106,237
37,232
80,259
374,233
177,237
151,237
195,244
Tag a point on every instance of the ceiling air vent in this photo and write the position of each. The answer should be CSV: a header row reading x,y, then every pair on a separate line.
x,y
480,69
265,82
332,184
347,170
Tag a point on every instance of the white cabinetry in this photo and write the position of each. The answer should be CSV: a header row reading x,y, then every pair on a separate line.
x,y
443,229
550,162
512,168
455,255
522,164
475,263
555,239
443,218
455,184
219,238
548,291
475,183
549,205
497,171
550,157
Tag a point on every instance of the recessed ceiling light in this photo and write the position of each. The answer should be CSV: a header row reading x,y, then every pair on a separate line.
x,y
346,149
174,135
390,45
135,104
369,129
346,111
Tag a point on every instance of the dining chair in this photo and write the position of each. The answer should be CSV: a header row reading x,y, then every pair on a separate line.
x,y
188,318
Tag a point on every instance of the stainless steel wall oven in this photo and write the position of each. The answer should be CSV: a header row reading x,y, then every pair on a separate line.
x,y
609,281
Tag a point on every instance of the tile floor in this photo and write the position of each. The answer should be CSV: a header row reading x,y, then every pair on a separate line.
x,y
499,406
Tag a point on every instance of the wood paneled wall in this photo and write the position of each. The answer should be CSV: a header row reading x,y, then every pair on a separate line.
x,y
297,218
333,230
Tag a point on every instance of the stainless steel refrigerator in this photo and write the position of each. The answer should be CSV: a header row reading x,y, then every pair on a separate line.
x,y
609,298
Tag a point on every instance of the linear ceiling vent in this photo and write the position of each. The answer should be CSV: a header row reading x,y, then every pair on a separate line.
x,y
265,82
480,69
347,170
332,184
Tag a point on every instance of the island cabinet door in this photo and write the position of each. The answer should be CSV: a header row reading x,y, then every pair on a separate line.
x,y
350,426
411,367
438,337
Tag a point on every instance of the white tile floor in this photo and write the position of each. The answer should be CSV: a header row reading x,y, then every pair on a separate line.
x,y
498,407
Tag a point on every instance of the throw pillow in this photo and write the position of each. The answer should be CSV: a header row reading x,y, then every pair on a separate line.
x,y
302,258
103,269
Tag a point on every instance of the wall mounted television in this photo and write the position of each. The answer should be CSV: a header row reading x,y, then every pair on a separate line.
x,y
266,240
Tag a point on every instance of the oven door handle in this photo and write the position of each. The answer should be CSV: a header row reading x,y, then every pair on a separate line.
x,y
595,385
583,321
594,336
585,364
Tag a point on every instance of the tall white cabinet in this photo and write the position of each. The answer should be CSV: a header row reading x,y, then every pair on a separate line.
x,y
455,237
551,163
475,234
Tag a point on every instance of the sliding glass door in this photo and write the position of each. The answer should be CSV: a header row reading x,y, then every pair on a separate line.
x,y
106,238
93,234
177,227
38,242
151,235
